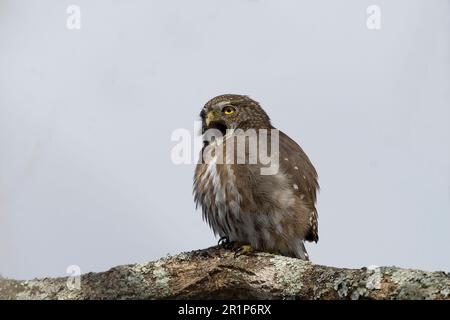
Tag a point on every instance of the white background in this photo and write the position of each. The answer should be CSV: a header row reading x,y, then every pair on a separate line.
x,y
86,118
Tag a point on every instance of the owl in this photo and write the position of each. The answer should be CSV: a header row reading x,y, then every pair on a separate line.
x,y
250,210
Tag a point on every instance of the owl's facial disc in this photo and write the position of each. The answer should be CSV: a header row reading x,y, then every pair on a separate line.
x,y
221,117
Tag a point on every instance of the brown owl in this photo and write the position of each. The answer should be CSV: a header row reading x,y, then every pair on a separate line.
x,y
251,210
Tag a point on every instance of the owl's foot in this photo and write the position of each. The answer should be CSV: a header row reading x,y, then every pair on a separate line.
x,y
243,250
224,241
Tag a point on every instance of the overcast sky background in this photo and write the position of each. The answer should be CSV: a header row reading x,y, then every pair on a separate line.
x,y
86,118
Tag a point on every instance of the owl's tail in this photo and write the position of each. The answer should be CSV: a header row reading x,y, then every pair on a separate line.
x,y
300,252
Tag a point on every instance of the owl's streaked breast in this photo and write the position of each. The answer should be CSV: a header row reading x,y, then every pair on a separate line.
x,y
215,190
225,208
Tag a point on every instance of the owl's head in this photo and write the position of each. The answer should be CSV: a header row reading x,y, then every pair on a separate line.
x,y
232,111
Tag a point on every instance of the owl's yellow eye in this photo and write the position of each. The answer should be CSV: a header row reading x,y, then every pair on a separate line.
x,y
228,110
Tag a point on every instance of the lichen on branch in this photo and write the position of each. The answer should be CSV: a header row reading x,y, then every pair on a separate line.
x,y
215,273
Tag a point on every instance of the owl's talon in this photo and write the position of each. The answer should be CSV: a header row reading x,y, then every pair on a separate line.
x,y
223,241
243,250
226,243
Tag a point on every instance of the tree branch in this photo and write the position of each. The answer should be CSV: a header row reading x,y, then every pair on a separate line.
x,y
215,273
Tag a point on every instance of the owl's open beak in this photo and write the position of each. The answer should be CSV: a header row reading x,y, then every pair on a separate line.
x,y
212,122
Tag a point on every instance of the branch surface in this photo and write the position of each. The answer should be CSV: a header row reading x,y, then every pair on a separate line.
x,y
215,273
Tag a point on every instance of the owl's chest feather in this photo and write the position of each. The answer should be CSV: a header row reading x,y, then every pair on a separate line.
x,y
221,198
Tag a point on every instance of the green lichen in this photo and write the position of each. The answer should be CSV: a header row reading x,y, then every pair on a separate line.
x,y
416,284
36,290
340,285
401,276
374,279
162,278
359,292
350,285
141,268
445,292
183,257
288,273
137,277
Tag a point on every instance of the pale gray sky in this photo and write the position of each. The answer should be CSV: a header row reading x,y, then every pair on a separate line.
x,y
86,118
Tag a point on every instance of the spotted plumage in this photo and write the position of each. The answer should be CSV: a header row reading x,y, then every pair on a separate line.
x,y
271,212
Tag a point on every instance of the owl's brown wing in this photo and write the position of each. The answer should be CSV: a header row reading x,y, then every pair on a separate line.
x,y
295,163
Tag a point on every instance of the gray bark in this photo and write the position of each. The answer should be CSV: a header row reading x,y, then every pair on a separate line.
x,y
215,273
